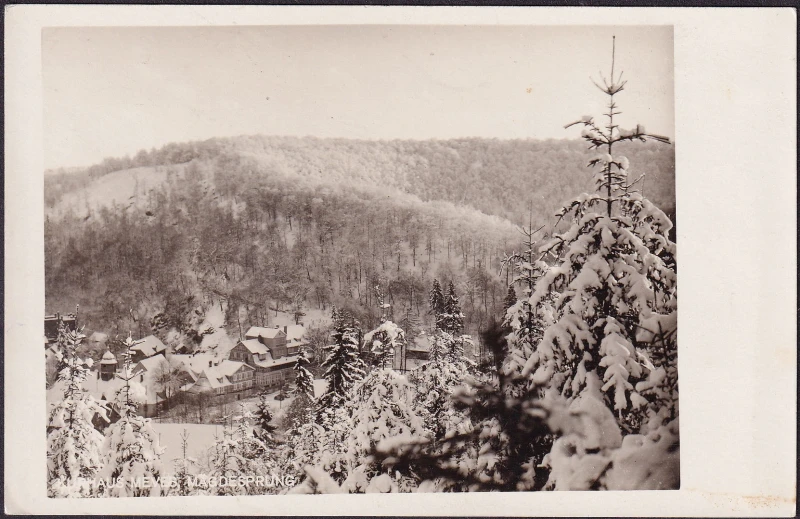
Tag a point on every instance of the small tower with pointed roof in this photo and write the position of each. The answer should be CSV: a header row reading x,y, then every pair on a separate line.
x,y
108,366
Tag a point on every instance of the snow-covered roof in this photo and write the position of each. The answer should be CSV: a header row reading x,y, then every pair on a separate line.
x,y
229,367
219,376
211,376
260,331
108,358
254,346
270,362
197,362
150,364
150,345
198,365
102,389
420,343
295,333
184,360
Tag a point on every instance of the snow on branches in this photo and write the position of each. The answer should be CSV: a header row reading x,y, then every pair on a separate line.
x,y
132,448
343,365
384,342
615,274
73,444
303,379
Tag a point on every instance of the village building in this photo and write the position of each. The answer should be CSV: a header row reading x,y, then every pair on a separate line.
x,y
413,355
146,373
269,352
272,338
51,323
148,347
223,380
295,339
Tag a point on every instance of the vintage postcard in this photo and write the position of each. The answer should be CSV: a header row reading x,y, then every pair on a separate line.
x,y
293,258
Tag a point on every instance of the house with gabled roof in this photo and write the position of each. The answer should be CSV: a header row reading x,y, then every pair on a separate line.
x,y
414,354
272,338
221,379
295,339
149,346
267,351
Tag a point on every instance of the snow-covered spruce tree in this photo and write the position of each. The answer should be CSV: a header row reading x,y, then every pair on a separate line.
x,y
451,320
592,454
525,322
263,418
447,367
495,449
436,301
332,444
437,380
615,274
305,442
343,369
343,366
132,450
238,454
303,434
511,298
382,408
226,465
259,456
73,444
303,379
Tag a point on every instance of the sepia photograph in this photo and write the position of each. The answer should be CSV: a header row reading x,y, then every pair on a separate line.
x,y
359,259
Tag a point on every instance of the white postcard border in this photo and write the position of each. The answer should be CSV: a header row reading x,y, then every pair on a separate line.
x,y
736,184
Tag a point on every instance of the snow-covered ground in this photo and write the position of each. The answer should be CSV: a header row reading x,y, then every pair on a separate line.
x,y
127,188
200,441
202,436
314,317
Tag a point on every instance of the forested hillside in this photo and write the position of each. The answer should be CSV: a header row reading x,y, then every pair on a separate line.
x,y
501,177
259,224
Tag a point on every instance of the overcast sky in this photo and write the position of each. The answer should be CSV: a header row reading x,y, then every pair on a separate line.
x,y
113,91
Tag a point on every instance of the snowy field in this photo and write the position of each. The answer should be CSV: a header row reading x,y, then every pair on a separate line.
x,y
200,442
202,436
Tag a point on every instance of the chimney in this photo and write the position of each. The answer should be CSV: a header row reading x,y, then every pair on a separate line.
x,y
285,328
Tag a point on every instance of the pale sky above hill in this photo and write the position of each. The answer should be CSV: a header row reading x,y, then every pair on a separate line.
x,y
113,91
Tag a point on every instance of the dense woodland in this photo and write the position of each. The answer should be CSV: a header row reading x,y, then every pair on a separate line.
x,y
273,223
